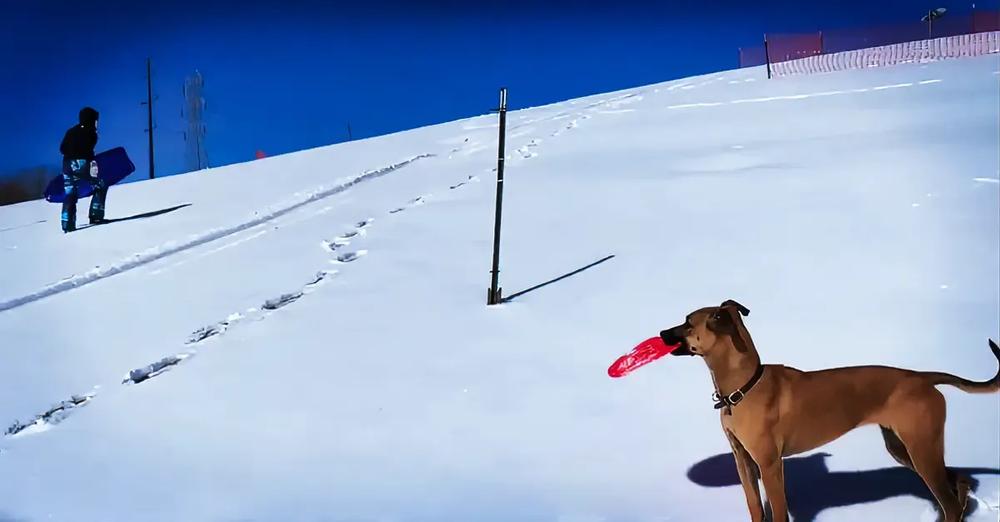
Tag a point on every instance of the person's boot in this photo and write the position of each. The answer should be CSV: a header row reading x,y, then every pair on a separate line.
x,y
97,203
96,213
69,217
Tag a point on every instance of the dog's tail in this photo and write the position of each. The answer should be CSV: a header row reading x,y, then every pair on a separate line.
x,y
966,385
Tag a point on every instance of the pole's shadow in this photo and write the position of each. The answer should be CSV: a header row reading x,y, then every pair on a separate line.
x,y
811,487
560,278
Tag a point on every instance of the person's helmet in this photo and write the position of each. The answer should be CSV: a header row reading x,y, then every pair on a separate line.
x,y
88,117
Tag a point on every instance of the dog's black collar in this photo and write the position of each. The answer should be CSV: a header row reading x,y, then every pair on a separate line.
x,y
722,401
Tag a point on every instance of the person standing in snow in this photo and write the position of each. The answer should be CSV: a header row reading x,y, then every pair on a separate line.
x,y
77,148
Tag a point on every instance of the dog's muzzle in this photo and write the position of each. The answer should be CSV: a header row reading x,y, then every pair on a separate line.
x,y
674,336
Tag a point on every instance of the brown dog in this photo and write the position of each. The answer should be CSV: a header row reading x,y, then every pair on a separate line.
x,y
773,411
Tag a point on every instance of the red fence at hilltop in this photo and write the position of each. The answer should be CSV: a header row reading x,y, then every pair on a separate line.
x,y
786,47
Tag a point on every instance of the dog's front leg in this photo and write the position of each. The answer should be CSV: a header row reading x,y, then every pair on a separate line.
x,y
772,474
748,478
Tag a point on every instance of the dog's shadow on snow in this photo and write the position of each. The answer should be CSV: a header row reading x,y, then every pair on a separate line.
x,y
811,487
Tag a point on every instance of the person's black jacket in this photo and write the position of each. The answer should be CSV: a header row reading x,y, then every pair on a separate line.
x,y
80,140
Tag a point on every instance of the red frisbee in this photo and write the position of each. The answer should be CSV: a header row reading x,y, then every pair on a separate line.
x,y
646,352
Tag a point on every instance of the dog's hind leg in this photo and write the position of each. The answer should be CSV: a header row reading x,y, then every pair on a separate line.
x,y
749,476
896,448
961,484
921,429
929,464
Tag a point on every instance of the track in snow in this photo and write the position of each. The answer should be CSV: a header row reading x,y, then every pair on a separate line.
x,y
173,247
59,412
50,417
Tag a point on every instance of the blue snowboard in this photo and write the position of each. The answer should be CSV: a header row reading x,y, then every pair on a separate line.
x,y
112,166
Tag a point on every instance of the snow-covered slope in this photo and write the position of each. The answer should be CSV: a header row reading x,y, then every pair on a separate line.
x,y
307,338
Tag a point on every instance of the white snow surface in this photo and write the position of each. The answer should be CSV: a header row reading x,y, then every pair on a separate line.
x,y
308,338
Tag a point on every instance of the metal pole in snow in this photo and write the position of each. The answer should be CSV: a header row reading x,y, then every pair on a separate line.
x,y
494,296
149,107
767,57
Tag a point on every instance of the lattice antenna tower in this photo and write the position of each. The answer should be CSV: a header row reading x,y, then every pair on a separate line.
x,y
196,154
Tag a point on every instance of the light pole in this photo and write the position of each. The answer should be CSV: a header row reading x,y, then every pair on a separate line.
x,y
932,14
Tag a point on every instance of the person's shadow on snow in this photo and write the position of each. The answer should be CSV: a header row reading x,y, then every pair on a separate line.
x,y
144,215
811,487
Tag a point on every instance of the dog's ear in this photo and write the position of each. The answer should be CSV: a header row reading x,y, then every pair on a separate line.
x,y
744,311
727,320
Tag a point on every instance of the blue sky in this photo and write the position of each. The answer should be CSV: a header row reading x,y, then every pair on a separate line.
x,y
284,76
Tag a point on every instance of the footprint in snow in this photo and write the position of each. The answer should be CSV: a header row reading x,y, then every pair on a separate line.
x,y
345,239
283,300
212,330
526,150
54,415
320,276
145,373
329,246
458,148
348,257
349,235
461,183
289,298
419,200
339,241
220,327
